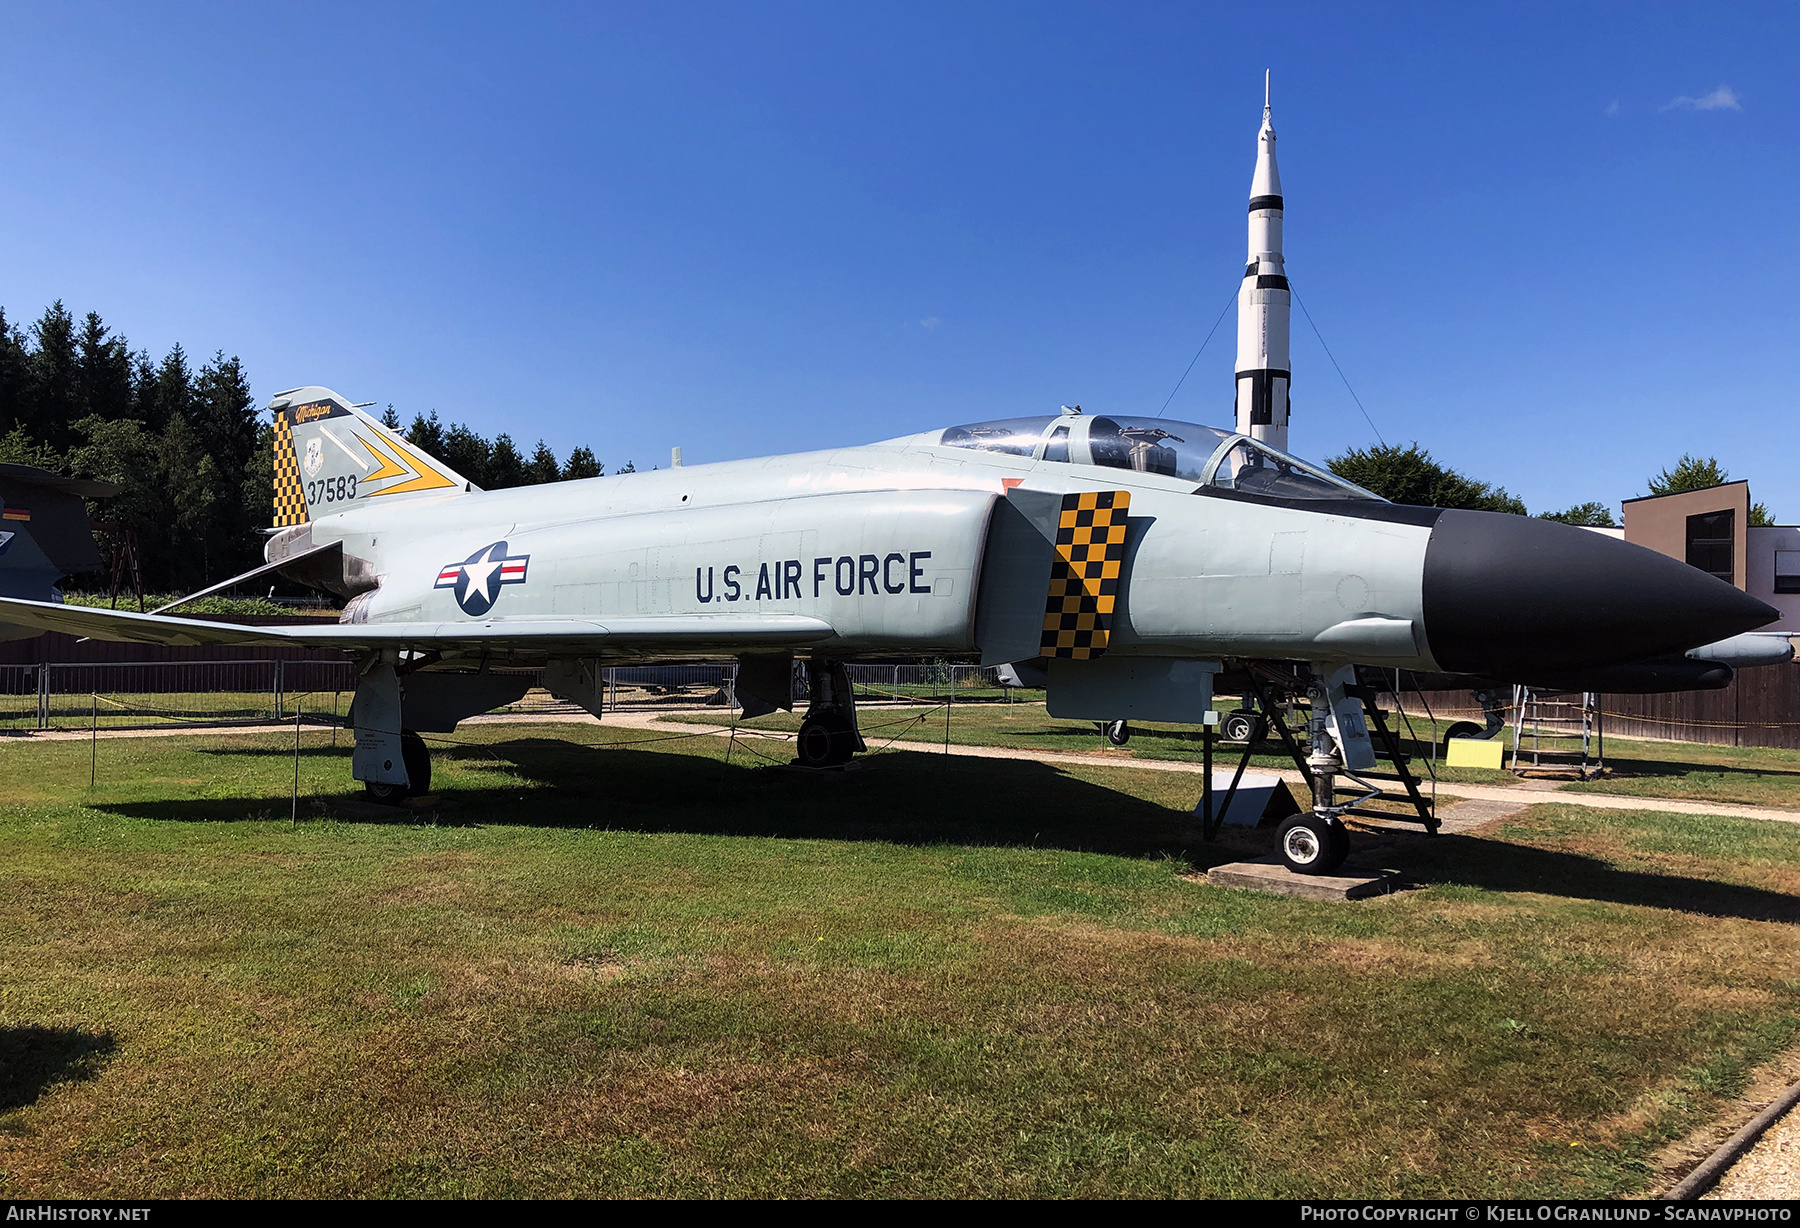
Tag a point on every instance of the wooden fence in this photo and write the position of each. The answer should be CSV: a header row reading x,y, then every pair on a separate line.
x,y
1761,707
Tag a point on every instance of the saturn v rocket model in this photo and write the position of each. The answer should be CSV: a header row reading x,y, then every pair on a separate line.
x,y
1263,373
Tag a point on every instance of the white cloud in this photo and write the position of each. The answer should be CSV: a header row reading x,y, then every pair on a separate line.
x,y
929,323
1612,108
1722,99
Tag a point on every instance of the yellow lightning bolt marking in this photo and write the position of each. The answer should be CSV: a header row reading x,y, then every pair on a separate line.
x,y
388,468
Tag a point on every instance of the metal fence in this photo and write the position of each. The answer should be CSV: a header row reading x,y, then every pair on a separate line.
x,y
127,694
141,694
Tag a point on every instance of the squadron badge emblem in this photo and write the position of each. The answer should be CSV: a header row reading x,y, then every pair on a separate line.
x,y
315,456
477,579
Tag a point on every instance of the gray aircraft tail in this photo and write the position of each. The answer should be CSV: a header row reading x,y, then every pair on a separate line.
x,y
331,457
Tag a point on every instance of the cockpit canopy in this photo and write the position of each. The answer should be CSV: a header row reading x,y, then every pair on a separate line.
x,y
1204,455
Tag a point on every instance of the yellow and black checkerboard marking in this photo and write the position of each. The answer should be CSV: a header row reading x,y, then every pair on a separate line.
x,y
290,496
1084,580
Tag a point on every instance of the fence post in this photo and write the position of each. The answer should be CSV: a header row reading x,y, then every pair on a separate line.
x,y
43,690
278,681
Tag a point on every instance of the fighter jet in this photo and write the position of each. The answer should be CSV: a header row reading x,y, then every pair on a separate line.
x,y
1130,560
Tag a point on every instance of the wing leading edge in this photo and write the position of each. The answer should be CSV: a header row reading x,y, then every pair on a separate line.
x,y
673,632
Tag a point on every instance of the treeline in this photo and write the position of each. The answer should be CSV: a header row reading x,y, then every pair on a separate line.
x,y
185,446
189,448
1410,475
498,464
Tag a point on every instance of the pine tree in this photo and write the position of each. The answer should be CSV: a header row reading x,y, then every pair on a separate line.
x,y
257,482
173,390
582,465
103,371
506,467
15,377
427,435
226,427
542,466
55,394
390,419
467,453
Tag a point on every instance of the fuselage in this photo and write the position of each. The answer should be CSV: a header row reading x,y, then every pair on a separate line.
x,y
916,546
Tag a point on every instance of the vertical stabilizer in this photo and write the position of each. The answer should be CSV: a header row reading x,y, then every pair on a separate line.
x,y
330,457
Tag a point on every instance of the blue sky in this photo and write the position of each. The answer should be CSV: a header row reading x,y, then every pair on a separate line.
x,y
755,228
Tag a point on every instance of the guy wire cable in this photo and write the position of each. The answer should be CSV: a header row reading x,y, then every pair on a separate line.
x,y
1334,363
1197,353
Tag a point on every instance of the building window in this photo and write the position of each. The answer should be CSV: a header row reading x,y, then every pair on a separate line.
x,y
1709,540
1787,571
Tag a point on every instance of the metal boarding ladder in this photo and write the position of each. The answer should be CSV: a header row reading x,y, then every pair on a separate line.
x,y
1534,708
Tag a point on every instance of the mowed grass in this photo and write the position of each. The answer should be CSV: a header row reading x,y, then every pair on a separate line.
x,y
1758,776
604,962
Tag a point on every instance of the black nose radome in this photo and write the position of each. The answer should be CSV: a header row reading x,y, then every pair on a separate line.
x,y
1521,599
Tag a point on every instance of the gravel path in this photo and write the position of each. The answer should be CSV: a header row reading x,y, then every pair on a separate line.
x,y
1769,1170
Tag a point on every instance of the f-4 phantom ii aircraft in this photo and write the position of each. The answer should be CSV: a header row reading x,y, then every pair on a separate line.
x,y
1134,560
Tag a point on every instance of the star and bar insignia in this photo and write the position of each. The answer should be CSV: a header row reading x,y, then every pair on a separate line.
x,y
1084,579
478,578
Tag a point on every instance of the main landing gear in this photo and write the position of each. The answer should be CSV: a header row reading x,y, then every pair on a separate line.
x,y
828,736
417,761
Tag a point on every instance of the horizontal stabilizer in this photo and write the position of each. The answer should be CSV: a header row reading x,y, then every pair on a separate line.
x,y
255,573
654,633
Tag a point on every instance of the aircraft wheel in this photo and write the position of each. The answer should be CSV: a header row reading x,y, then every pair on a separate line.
x,y
824,743
1340,843
1118,732
1311,845
1239,726
418,762
418,773
383,794
1462,729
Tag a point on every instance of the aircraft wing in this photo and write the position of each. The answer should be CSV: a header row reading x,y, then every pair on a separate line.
x,y
638,634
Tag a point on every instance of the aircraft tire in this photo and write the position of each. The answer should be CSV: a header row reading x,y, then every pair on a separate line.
x,y
1340,843
1463,729
418,773
1118,732
1311,845
383,794
418,763
1239,726
824,743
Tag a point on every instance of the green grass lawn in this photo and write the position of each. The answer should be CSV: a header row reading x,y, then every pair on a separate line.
x,y
606,962
1751,775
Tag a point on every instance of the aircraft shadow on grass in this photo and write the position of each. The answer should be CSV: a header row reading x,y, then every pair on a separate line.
x,y
34,1058
914,796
